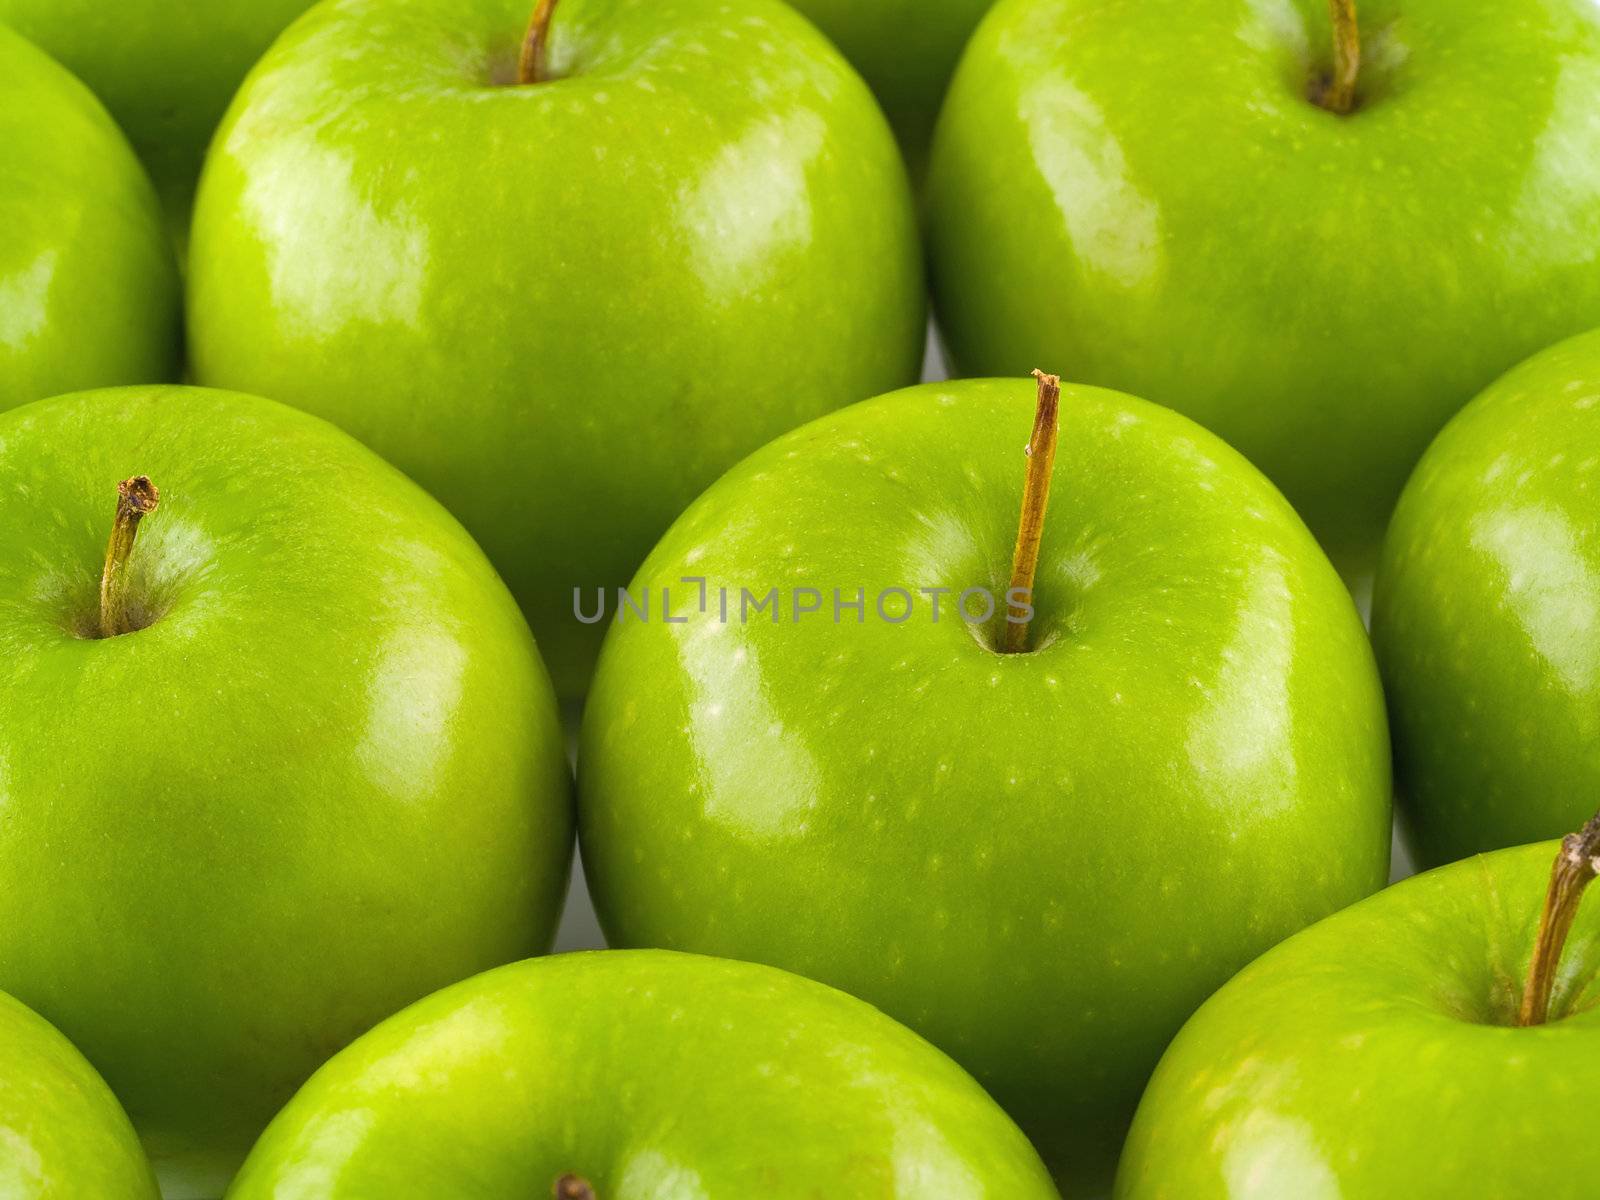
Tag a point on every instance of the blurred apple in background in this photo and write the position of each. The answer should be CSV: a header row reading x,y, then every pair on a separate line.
x,y
286,765
1041,861
565,305
632,1074
1390,1051
165,68
906,50
62,1132
1487,614
88,286
1161,197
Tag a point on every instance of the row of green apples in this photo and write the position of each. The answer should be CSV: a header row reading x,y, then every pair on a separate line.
x,y
166,70
283,758
689,214
451,247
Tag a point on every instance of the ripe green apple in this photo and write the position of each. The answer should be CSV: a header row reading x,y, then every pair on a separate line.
x,y
1379,1054
62,1133
632,1074
906,50
165,68
88,286
1486,613
1148,194
319,776
1042,861
564,307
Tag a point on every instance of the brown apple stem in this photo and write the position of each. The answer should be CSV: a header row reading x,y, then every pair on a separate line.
x,y
573,1187
1041,452
1577,863
136,498
1337,93
530,63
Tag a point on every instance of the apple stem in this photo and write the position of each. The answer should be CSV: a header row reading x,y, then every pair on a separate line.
x,y
136,498
573,1187
531,64
1577,863
1337,93
1041,452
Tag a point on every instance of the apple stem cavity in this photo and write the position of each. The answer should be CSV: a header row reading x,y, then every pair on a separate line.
x,y
1577,863
136,499
1337,92
531,62
1041,452
573,1187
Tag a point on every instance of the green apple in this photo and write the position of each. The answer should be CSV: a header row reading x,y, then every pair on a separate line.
x,y
165,68
1389,1051
63,1136
621,1075
88,286
1486,613
906,50
288,764
1041,861
562,306
1149,194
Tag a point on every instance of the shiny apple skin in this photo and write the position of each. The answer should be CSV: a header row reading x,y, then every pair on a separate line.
x,y
326,779
165,68
1374,1056
63,1136
650,1075
564,308
1144,194
1041,862
88,285
906,50
1485,615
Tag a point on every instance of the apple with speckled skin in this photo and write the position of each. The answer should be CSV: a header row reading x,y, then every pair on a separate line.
x,y
1042,861
88,285
62,1133
618,1075
1165,197
1486,614
165,68
1391,1051
561,290
279,753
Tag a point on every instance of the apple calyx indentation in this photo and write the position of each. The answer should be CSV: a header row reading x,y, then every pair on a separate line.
x,y
1576,865
573,1187
531,65
1336,91
137,498
1041,452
